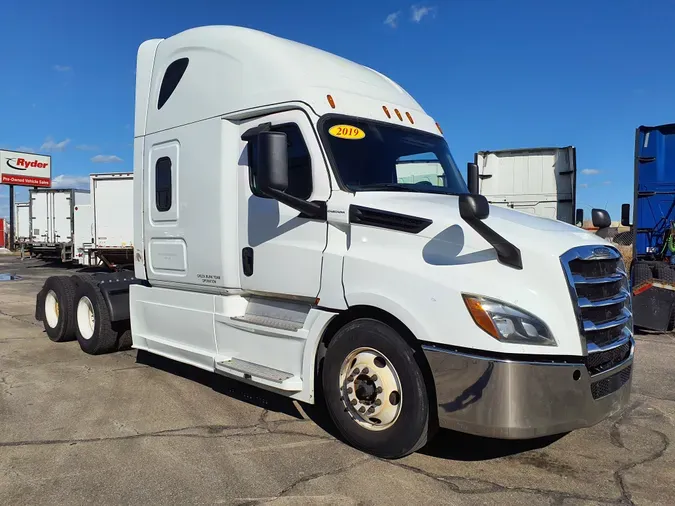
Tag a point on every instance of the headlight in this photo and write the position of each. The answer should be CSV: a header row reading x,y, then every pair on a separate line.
x,y
507,323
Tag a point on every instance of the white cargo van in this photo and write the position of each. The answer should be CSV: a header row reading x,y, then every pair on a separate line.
x,y
539,181
52,219
274,243
21,222
112,204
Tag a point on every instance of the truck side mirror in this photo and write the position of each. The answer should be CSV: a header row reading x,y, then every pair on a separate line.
x,y
625,215
472,177
473,207
600,218
272,167
580,217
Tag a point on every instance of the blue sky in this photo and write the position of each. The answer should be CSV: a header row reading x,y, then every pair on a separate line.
x,y
495,73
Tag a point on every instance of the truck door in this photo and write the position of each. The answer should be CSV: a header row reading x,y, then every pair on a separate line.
x,y
281,251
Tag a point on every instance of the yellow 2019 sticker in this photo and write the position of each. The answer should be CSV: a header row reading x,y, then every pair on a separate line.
x,y
346,132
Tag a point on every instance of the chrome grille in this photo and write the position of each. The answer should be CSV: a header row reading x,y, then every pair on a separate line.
x,y
599,289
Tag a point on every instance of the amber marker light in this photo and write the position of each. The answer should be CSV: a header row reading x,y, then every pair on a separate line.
x,y
480,316
331,101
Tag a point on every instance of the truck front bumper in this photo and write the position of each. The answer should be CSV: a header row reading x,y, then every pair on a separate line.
x,y
511,399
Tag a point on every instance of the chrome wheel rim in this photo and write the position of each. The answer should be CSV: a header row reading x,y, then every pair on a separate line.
x,y
86,319
370,389
52,309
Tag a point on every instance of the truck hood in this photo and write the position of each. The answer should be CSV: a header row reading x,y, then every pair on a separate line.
x,y
525,231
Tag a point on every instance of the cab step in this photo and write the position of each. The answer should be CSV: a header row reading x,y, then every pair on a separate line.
x,y
250,370
267,321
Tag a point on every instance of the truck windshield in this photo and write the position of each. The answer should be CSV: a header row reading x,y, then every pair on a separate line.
x,y
376,156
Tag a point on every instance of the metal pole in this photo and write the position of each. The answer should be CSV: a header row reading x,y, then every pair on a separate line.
x,y
11,217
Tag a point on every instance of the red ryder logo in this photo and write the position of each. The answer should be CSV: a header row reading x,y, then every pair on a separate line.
x,y
23,164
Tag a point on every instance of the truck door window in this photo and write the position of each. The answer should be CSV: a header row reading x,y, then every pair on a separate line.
x,y
163,184
299,163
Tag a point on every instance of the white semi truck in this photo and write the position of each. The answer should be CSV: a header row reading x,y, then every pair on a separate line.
x,y
274,243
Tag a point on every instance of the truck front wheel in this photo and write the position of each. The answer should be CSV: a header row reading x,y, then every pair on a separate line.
x,y
375,391
94,331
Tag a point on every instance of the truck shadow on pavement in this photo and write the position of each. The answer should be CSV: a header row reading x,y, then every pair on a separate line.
x,y
447,444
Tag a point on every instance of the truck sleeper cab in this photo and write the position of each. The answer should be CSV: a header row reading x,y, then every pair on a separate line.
x,y
279,239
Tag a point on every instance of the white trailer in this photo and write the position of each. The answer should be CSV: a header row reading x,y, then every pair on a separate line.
x,y
83,227
274,244
539,181
21,222
112,201
52,221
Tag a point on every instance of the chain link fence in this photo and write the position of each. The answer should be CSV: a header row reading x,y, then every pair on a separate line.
x,y
622,238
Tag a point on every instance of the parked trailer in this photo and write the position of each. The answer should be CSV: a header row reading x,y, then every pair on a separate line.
x,y
652,232
402,306
21,222
112,201
82,242
52,219
539,181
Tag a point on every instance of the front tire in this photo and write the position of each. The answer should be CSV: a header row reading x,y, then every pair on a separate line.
x,y
375,391
93,328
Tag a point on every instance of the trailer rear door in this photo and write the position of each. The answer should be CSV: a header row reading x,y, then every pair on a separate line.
x,y
61,208
113,210
539,181
41,225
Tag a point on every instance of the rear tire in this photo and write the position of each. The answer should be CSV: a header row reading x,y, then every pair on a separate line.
x,y
383,407
641,273
57,302
93,328
665,273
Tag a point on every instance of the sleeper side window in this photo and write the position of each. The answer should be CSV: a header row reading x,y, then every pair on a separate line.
x,y
163,187
299,163
172,76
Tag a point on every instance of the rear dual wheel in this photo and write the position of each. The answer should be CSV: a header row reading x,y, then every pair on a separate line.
x,y
375,391
56,300
94,331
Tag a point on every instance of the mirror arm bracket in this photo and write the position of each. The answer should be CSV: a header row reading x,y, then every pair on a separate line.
x,y
507,253
312,210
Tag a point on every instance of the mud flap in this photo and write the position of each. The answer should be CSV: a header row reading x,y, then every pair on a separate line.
x,y
653,303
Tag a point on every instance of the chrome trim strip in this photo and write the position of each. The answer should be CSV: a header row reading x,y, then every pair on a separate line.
x,y
578,279
497,359
586,303
627,337
518,400
590,326
617,368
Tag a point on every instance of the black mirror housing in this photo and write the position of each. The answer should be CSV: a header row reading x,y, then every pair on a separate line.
x,y
625,215
473,207
600,218
472,177
272,166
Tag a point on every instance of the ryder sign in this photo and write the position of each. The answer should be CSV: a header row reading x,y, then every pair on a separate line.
x,y
25,169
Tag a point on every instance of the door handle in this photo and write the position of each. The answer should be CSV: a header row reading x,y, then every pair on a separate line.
x,y
247,261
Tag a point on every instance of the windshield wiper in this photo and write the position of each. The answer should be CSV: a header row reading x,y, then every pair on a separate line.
x,y
387,186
